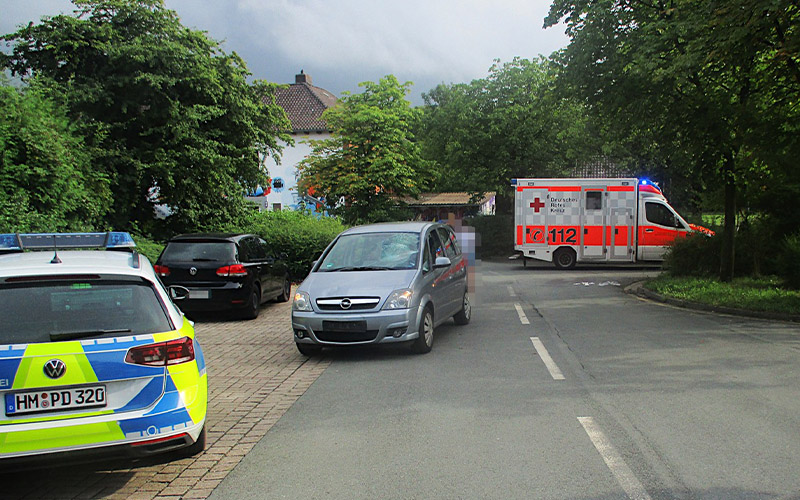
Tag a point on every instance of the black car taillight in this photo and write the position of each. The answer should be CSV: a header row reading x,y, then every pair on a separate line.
x,y
161,270
235,270
173,352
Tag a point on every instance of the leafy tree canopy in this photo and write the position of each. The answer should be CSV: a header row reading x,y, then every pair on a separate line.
x,y
372,159
166,113
709,87
47,182
510,124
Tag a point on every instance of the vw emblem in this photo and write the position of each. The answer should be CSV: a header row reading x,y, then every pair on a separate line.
x,y
192,271
345,304
55,368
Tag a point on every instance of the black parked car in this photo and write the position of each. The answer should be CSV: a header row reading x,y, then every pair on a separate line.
x,y
223,271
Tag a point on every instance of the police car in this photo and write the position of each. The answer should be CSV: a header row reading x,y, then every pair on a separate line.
x,y
94,356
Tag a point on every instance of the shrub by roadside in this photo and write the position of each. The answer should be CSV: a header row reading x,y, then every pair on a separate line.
x,y
298,235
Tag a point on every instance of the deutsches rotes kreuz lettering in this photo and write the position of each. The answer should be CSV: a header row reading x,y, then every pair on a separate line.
x,y
559,205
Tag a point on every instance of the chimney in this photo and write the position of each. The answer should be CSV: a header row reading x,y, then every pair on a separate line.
x,y
302,78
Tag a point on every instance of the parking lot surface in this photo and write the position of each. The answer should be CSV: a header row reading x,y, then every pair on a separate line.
x,y
255,374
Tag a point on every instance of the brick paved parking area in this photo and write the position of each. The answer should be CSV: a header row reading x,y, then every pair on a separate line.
x,y
254,374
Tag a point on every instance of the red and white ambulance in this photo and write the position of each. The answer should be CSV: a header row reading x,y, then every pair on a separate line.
x,y
566,221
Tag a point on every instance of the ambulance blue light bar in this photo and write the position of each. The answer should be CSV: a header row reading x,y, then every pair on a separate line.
x,y
61,241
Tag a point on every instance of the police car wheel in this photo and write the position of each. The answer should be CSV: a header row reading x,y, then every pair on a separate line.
x,y
195,448
463,316
424,342
564,258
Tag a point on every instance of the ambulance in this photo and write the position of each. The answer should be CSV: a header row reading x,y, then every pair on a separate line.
x,y
566,221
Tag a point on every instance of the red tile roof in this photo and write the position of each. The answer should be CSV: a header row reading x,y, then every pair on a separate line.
x,y
304,104
447,199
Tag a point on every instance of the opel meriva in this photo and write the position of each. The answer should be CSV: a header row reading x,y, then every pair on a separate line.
x,y
382,283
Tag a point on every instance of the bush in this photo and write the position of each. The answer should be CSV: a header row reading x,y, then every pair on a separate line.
x,y
496,234
298,235
789,259
147,247
697,255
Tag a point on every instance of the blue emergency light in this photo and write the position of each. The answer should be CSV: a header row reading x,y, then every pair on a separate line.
x,y
50,241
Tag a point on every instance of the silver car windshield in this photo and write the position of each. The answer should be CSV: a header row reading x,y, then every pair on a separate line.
x,y
372,251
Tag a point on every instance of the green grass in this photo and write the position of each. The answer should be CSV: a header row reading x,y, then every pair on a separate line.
x,y
765,294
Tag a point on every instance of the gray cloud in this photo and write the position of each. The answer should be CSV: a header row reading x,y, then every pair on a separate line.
x,y
345,42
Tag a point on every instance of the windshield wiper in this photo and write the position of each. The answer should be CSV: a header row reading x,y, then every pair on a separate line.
x,y
360,268
86,334
203,259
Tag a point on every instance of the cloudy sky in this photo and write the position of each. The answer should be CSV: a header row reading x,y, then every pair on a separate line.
x,y
343,42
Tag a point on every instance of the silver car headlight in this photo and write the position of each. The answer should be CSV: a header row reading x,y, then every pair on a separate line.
x,y
399,299
302,302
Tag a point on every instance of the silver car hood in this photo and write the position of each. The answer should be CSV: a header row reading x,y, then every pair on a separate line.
x,y
356,283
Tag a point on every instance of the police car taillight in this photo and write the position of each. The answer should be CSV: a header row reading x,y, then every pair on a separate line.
x,y
173,352
236,270
161,270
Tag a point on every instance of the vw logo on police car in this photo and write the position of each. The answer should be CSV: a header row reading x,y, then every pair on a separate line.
x,y
55,368
345,304
192,271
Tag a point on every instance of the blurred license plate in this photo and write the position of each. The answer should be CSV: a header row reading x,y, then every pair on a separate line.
x,y
88,396
199,294
344,326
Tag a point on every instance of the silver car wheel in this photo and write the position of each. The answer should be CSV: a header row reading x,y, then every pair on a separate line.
x,y
427,327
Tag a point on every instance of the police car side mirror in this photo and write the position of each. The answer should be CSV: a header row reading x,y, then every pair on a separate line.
x,y
441,262
178,293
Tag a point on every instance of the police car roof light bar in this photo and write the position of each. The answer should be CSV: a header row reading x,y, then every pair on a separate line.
x,y
49,241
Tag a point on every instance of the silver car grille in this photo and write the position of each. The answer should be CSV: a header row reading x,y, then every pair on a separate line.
x,y
348,303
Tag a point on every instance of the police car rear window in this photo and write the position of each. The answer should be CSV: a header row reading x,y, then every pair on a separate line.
x,y
199,251
58,310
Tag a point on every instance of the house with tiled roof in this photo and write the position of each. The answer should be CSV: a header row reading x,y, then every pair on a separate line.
x,y
444,206
304,104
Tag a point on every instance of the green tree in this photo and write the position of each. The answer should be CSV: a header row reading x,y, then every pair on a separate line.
x,y
510,124
372,159
166,113
46,180
711,88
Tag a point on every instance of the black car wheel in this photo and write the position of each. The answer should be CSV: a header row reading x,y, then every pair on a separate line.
x,y
253,305
286,292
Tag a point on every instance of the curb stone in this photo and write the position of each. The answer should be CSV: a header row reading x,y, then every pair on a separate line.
x,y
640,290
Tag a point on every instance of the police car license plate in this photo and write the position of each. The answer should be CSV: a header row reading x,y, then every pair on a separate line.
x,y
88,396
198,294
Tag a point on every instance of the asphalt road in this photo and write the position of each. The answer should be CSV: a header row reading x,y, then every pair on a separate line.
x,y
562,386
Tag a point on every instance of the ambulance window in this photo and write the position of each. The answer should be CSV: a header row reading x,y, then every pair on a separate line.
x,y
661,215
594,200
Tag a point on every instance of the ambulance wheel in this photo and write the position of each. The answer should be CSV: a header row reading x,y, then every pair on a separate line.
x,y
564,258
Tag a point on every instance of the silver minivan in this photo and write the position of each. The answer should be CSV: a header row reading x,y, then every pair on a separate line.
x,y
382,283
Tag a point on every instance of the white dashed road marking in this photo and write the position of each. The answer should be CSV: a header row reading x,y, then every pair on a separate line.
x,y
546,359
624,475
522,318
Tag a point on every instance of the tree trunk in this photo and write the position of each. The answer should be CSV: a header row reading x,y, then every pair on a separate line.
x,y
729,230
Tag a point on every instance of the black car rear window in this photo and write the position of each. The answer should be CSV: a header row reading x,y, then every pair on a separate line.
x,y
199,251
54,310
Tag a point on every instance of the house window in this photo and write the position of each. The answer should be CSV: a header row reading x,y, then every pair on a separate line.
x,y
276,207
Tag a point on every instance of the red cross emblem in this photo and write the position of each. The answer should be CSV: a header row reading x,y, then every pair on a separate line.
x,y
537,205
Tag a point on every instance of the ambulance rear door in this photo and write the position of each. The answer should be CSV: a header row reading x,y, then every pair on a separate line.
x,y
530,213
